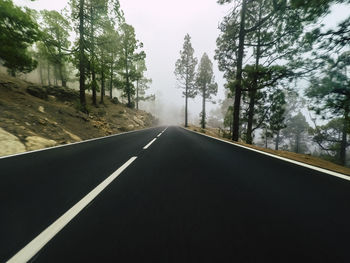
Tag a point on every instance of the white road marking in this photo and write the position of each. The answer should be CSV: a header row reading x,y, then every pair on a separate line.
x,y
322,170
26,253
162,132
148,145
74,143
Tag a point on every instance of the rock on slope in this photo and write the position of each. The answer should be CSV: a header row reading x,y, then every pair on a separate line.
x,y
34,117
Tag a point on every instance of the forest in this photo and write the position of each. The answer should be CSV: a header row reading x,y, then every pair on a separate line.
x,y
89,41
287,86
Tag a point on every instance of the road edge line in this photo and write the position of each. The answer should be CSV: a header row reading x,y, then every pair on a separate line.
x,y
74,143
319,169
34,246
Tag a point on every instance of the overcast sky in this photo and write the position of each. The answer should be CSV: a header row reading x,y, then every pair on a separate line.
x,y
161,25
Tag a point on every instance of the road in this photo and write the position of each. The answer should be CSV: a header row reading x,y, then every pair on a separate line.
x,y
184,198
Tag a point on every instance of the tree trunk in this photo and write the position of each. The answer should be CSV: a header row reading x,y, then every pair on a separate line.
x,y
111,82
203,109
128,86
186,104
81,57
129,100
102,85
137,94
60,69
238,88
249,135
93,73
297,142
254,89
41,74
343,144
48,74
277,140
93,87
55,75
128,89
63,82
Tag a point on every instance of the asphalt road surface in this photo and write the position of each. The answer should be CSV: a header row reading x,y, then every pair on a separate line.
x,y
184,197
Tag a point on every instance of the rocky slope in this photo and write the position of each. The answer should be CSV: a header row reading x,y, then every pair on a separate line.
x,y
34,117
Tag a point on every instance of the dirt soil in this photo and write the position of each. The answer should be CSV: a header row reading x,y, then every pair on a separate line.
x,y
34,117
304,158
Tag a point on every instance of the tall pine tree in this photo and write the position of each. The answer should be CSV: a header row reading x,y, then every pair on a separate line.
x,y
205,84
185,72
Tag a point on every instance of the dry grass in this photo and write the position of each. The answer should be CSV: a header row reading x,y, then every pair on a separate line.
x,y
315,161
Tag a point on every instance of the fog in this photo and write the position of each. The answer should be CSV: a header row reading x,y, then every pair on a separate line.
x,y
161,25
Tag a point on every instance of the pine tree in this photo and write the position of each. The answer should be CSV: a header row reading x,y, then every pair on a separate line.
x,y
129,56
329,138
56,33
269,31
276,118
45,59
205,84
112,44
90,17
296,131
330,95
185,72
108,55
18,31
97,11
78,16
142,83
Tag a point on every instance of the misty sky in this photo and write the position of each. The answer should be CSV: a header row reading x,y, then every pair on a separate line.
x,y
161,25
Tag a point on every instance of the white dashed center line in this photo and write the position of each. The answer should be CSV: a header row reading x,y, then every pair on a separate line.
x,y
148,145
33,247
26,253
